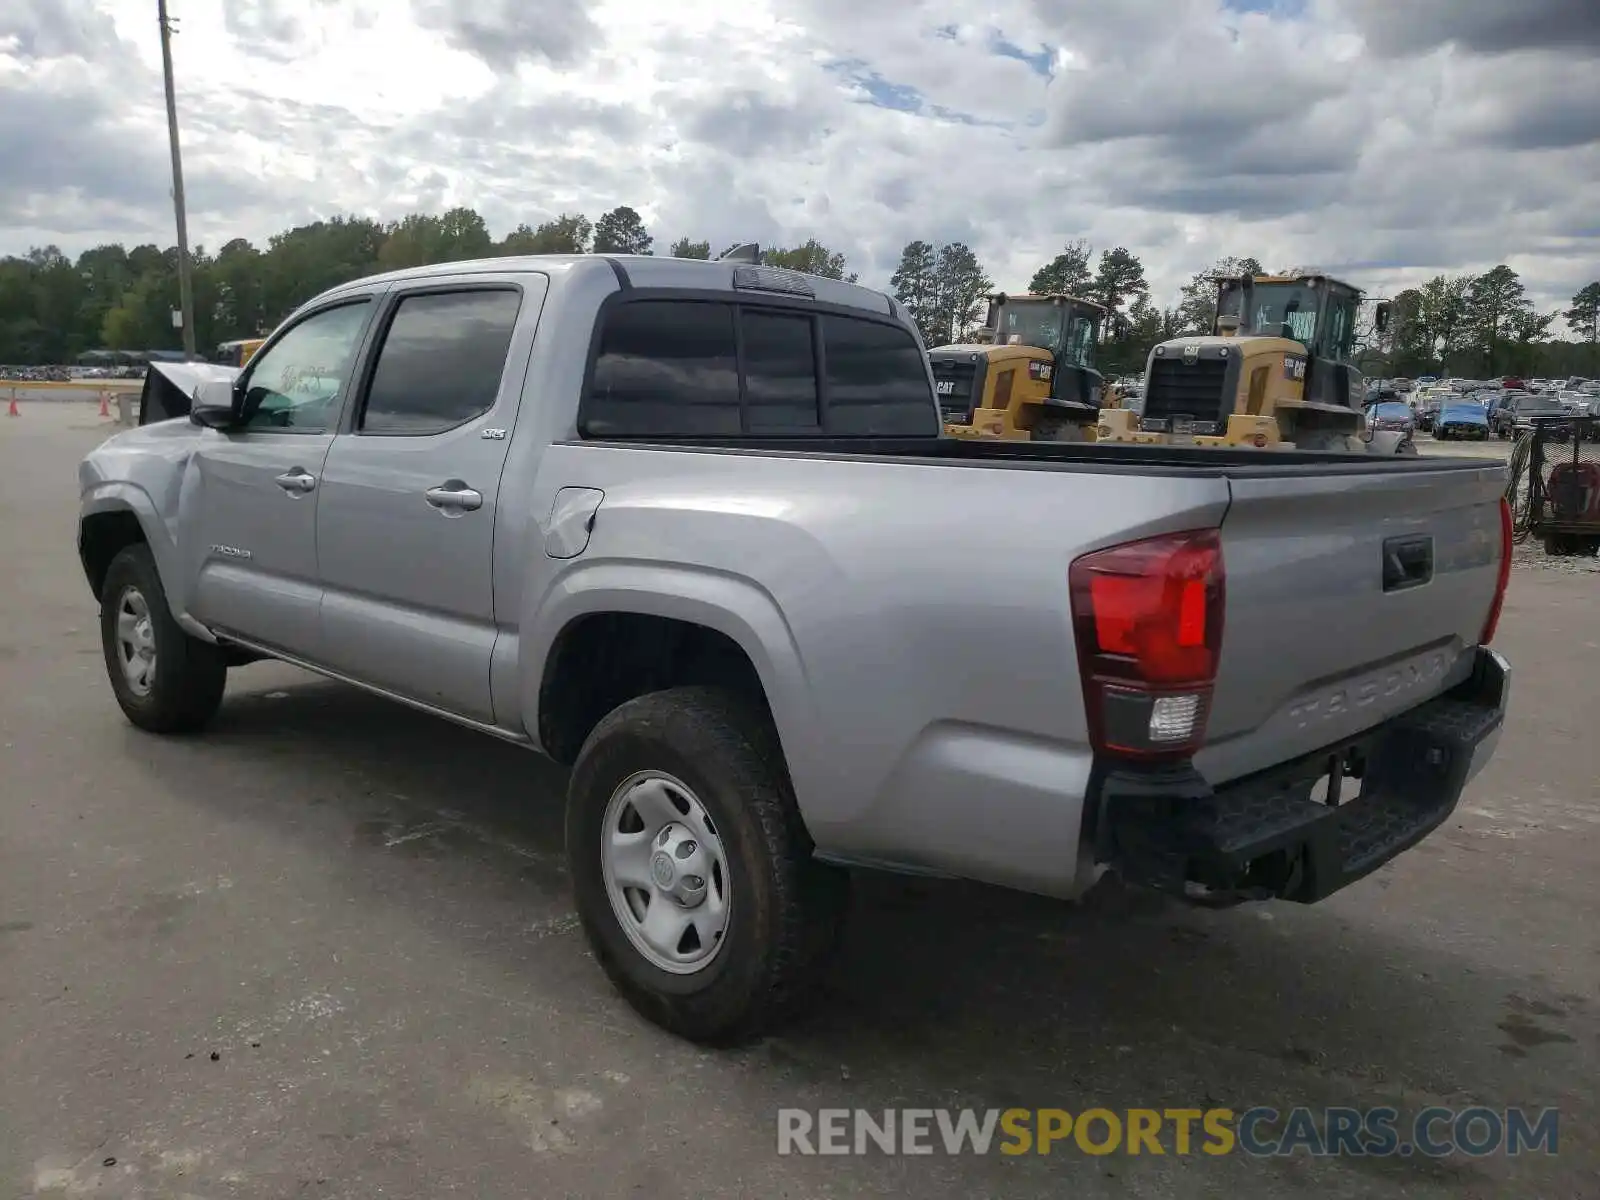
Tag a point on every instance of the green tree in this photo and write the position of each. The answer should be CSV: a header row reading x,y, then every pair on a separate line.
x,y
1066,274
686,247
621,231
1119,279
1583,318
916,285
567,234
812,257
959,288
1442,313
1496,303
1526,330
1197,302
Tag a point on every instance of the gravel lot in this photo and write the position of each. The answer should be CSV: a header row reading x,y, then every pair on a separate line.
x,y
327,950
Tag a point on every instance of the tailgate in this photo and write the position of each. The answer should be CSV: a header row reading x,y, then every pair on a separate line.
x,y
1335,620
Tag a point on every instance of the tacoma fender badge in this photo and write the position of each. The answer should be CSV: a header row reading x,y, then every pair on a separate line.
x,y
231,552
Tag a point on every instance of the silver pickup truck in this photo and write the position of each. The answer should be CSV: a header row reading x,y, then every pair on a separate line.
x,y
692,528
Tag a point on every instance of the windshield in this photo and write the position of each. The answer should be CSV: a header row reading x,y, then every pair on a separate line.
x,y
1391,411
1067,335
1033,325
1537,404
1283,310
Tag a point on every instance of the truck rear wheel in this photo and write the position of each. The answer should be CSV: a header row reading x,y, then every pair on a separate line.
x,y
165,680
691,868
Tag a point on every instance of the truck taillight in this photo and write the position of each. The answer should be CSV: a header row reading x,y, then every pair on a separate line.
x,y
1504,576
1148,622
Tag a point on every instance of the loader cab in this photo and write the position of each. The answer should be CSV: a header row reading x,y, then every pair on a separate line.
x,y
1314,310
1067,327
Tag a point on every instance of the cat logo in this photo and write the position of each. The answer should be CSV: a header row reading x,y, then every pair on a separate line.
x,y
1191,355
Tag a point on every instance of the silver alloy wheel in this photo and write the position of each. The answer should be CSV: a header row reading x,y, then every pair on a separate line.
x,y
665,872
136,641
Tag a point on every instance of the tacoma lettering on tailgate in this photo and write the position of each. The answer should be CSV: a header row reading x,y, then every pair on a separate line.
x,y
1384,684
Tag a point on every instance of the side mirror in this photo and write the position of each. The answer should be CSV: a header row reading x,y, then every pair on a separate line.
x,y
1382,318
216,405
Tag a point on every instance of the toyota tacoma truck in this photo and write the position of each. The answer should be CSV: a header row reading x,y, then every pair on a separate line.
x,y
693,529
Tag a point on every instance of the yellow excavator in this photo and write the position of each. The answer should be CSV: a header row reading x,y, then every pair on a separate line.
x,y
1029,376
1276,371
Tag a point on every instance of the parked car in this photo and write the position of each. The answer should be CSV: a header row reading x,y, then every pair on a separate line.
x,y
694,529
1522,408
1394,415
1426,404
1467,420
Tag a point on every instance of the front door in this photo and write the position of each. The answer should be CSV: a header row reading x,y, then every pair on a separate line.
x,y
253,549
406,512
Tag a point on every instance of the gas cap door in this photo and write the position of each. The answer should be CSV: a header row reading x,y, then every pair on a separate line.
x,y
571,521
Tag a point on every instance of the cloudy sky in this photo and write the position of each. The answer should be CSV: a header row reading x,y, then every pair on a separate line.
x,y
1386,139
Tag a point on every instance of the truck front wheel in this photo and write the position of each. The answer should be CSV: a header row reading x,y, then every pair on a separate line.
x,y
692,870
165,680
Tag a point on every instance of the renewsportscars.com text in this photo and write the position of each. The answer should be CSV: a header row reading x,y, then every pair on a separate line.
x,y
1258,1132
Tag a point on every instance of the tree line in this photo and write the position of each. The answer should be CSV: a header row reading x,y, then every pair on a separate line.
x,y
54,308
1485,326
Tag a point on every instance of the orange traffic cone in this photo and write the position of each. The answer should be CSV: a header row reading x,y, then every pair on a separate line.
x,y
104,411
13,410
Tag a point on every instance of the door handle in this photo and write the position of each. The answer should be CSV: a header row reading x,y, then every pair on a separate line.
x,y
297,481
453,496
1407,562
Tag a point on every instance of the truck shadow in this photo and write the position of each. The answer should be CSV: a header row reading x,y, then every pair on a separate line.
x,y
943,993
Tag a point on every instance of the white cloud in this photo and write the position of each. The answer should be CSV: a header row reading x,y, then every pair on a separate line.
x,y
1391,140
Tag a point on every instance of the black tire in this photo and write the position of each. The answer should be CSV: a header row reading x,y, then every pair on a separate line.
x,y
785,910
185,685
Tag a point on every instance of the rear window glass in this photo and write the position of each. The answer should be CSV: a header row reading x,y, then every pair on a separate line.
x,y
666,368
877,380
688,368
780,372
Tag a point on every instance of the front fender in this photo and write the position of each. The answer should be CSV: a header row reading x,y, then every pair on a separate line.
x,y
121,496
737,607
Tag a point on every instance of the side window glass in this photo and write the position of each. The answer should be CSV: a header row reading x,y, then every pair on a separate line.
x,y
666,368
877,380
780,372
441,361
295,384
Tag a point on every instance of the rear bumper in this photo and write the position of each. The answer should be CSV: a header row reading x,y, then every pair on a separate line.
x,y
1265,837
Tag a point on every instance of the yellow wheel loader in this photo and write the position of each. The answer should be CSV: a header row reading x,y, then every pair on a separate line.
x,y
1029,376
1275,372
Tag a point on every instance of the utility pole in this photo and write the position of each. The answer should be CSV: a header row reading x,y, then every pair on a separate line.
x,y
185,281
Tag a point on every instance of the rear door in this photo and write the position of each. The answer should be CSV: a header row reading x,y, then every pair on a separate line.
x,y
410,491
1351,597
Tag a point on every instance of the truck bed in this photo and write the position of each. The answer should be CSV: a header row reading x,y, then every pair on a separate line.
x,y
1320,642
